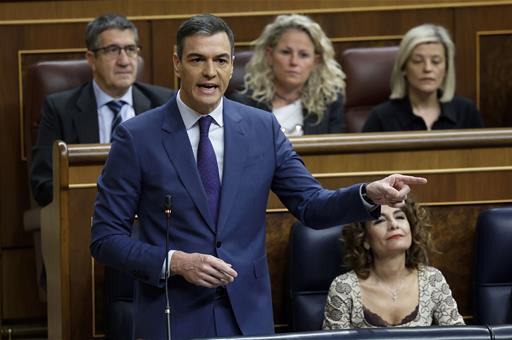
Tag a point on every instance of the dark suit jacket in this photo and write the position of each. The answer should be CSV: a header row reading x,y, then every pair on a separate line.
x,y
257,158
333,120
71,116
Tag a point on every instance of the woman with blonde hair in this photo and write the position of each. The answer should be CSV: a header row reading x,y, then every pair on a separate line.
x,y
423,87
293,74
391,283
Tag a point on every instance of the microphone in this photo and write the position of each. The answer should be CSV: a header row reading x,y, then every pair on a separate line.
x,y
167,205
167,310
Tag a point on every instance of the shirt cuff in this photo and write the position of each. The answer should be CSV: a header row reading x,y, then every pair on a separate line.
x,y
164,273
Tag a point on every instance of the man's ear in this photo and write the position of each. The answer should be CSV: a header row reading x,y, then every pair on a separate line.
x,y
177,65
90,57
232,66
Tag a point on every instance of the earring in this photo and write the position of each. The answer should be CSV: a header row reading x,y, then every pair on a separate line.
x,y
366,245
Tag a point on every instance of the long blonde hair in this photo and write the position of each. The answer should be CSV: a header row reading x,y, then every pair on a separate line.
x,y
326,81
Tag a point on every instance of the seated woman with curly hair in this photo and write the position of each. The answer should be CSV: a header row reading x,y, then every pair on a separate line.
x,y
293,74
390,283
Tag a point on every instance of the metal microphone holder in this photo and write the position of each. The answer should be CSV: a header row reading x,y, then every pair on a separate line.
x,y
167,310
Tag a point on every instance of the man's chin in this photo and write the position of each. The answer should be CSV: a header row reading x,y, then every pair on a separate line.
x,y
205,104
125,79
124,84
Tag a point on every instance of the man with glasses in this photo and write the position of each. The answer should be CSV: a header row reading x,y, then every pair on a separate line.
x,y
90,114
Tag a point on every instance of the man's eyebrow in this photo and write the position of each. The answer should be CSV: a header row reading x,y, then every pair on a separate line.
x,y
195,55
223,55
199,55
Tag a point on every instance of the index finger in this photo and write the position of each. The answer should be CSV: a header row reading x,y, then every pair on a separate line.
x,y
412,179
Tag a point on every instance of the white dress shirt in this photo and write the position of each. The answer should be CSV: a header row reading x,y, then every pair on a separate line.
x,y
216,135
105,115
216,132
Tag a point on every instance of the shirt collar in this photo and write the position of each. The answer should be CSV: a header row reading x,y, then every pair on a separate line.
x,y
447,111
190,116
103,98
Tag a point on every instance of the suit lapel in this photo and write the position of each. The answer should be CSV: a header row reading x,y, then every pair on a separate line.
x,y
177,146
141,103
85,117
234,158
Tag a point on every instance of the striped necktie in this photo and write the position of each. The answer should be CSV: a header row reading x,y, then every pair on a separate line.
x,y
115,106
207,166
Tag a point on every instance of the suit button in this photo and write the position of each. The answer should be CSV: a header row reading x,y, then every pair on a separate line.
x,y
218,244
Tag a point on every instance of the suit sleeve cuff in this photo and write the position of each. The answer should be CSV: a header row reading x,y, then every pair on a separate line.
x,y
368,203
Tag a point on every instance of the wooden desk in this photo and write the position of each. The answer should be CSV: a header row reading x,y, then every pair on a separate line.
x,y
467,170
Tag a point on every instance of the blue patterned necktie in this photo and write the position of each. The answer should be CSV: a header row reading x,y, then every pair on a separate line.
x,y
115,106
207,166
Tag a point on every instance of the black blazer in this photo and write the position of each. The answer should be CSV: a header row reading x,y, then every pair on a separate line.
x,y
332,121
397,115
71,116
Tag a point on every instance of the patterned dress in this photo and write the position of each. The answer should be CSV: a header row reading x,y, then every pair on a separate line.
x,y
344,307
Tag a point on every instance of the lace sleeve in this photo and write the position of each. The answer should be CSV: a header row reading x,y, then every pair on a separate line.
x,y
445,309
338,307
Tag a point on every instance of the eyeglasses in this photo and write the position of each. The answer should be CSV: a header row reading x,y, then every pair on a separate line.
x,y
113,51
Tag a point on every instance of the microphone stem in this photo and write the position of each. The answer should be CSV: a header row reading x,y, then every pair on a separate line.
x,y
167,310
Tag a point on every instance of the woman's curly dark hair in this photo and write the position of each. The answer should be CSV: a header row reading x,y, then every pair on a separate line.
x,y
360,260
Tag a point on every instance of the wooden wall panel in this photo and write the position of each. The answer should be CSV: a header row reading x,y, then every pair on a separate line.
x,y
453,233
13,179
19,294
494,55
278,248
164,39
470,21
80,260
44,10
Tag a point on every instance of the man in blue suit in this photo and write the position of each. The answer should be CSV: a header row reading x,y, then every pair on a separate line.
x,y
219,281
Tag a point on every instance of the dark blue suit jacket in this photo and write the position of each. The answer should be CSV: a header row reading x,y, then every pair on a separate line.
x,y
151,157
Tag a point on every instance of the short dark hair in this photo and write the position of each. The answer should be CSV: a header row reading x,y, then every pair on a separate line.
x,y
359,259
107,22
206,24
